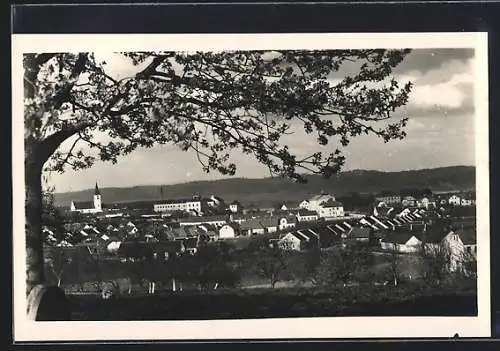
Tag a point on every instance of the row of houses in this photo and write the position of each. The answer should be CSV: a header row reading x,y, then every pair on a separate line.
x,y
405,233
455,199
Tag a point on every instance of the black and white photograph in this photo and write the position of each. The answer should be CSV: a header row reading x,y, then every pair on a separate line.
x,y
250,186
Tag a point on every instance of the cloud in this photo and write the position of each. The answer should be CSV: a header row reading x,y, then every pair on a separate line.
x,y
425,60
446,90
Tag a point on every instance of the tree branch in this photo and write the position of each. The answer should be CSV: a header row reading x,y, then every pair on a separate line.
x,y
50,144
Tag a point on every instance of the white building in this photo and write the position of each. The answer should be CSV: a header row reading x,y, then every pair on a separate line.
x,y
306,216
331,208
228,231
286,222
235,207
454,200
466,202
290,242
314,203
324,205
403,242
186,205
89,206
456,244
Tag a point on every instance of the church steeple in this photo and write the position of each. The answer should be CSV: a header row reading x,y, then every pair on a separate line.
x,y
97,198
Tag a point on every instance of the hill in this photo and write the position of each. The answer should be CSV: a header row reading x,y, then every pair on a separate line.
x,y
268,191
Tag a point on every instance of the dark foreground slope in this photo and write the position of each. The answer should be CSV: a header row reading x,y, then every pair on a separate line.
x,y
386,301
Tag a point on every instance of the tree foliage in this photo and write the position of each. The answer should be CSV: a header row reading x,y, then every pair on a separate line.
x,y
437,262
271,264
58,261
342,266
211,102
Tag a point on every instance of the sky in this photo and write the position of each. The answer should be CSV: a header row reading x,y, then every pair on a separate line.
x,y
440,132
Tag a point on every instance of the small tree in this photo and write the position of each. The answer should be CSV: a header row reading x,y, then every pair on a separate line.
x,y
58,260
271,264
336,266
437,262
394,267
468,264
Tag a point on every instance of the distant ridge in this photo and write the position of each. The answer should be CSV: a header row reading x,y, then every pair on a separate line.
x,y
271,190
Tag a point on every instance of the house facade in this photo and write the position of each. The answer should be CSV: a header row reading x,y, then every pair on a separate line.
x,y
228,231
307,216
408,201
402,242
286,222
330,208
456,244
290,242
185,205
314,203
454,200
389,199
213,220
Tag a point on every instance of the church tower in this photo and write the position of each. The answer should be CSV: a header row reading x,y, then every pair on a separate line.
x,y
97,198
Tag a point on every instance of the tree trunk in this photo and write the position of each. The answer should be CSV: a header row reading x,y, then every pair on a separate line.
x,y
34,240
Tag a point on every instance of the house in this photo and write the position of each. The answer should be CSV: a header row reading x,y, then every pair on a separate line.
x,y
304,215
388,198
113,245
455,243
185,205
454,200
426,202
287,221
283,207
291,241
214,201
88,206
191,245
402,241
235,207
252,226
383,210
229,230
270,224
408,201
330,208
218,220
315,202
465,201
339,228
309,238
320,236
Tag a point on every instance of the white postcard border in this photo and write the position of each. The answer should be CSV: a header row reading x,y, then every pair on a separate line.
x,y
290,328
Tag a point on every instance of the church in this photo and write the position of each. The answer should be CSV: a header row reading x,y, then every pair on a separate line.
x,y
89,206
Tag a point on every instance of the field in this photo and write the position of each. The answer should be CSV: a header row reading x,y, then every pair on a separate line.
x,y
410,300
